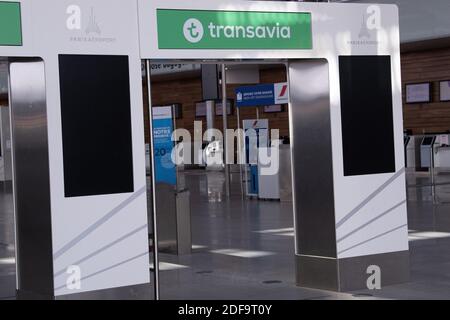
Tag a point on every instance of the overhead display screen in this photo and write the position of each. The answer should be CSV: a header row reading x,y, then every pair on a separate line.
x,y
428,141
418,93
96,125
444,91
367,118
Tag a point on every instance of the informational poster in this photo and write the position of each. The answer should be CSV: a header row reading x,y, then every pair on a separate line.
x,y
262,95
445,91
417,93
165,171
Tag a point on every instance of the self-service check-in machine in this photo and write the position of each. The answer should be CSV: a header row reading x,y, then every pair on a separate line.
x,y
75,80
442,152
426,151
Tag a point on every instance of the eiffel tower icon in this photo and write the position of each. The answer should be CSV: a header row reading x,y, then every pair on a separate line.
x,y
364,32
92,24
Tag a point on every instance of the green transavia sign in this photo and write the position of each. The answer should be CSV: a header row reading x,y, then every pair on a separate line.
x,y
10,24
199,29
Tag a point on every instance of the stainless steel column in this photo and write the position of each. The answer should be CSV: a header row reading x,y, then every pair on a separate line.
x,y
318,264
312,174
152,164
31,180
240,153
225,127
210,117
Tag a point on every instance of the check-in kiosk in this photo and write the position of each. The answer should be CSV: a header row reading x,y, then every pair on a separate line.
x,y
413,153
442,152
426,151
406,141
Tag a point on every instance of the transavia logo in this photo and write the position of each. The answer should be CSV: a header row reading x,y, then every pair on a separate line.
x,y
193,30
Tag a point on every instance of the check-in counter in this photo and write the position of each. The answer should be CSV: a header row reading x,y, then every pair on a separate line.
x,y
413,152
426,149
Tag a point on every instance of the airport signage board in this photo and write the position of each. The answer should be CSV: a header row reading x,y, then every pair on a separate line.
x,y
10,24
215,29
262,95
165,171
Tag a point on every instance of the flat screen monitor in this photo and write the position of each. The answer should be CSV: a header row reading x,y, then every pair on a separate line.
x,y
428,141
200,109
367,115
218,109
418,93
444,91
273,108
96,125
177,110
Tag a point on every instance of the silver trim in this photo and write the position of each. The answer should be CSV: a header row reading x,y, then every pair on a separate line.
x,y
153,186
31,176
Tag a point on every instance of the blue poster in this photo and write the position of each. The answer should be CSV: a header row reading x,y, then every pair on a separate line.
x,y
262,95
165,170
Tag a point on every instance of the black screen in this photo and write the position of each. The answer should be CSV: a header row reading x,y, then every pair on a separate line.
x,y
427,141
96,124
367,119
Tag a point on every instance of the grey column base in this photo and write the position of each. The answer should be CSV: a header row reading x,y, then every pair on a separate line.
x,y
136,292
350,274
27,295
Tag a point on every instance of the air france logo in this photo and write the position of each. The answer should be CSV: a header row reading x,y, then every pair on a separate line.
x,y
193,30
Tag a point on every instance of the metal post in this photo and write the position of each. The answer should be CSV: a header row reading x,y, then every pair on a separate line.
x,y
257,113
433,187
152,158
240,155
225,127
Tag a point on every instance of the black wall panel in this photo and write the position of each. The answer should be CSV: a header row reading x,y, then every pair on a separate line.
x,y
367,118
96,124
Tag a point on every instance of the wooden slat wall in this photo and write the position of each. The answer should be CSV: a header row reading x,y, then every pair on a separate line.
x,y
423,66
426,66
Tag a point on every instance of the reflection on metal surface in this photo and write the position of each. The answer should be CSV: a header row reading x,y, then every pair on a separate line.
x,y
31,176
165,266
427,235
243,253
312,159
10,260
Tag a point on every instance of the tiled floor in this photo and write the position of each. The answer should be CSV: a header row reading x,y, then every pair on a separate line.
x,y
244,249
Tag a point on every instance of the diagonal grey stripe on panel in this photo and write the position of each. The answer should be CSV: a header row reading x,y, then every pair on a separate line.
x,y
107,268
98,223
371,221
373,238
369,198
77,263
